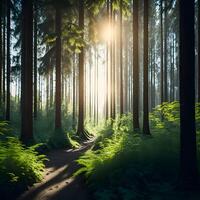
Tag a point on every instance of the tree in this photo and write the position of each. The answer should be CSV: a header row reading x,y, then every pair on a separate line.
x,y
35,58
198,50
81,130
121,64
161,54
146,129
135,66
58,68
188,153
1,52
8,6
27,72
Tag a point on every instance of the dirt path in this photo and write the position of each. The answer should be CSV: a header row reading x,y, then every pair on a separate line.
x,y
58,183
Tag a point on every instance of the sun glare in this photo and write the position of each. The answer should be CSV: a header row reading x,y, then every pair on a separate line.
x,y
107,32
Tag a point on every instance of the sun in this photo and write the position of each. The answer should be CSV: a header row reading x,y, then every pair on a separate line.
x,y
107,32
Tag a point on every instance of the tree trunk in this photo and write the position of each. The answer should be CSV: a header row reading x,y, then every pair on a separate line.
x,y
146,129
4,58
188,153
107,66
74,91
135,66
81,130
35,60
8,5
1,53
27,72
161,53
121,64
58,69
198,50
165,46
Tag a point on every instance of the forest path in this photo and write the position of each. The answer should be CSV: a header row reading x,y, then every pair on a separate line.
x,y
58,183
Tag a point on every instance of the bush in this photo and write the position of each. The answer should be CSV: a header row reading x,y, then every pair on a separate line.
x,y
130,166
19,166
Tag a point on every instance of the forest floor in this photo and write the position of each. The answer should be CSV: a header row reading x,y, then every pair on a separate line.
x,y
58,182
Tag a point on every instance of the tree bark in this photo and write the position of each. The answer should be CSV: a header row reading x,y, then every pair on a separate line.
x,y
121,64
146,129
8,5
135,66
161,53
27,72
35,60
198,50
1,53
58,69
81,130
188,149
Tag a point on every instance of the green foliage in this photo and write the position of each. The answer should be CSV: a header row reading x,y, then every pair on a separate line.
x,y
73,140
126,165
19,166
58,139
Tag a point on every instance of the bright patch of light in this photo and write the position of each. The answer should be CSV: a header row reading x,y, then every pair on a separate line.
x,y
107,32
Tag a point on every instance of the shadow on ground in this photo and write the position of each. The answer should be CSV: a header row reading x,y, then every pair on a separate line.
x,y
58,183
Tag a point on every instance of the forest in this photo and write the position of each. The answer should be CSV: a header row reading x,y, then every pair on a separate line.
x,y
99,99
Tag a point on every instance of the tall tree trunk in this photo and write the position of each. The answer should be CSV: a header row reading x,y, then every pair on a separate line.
x,y
121,64
58,69
35,59
74,90
81,113
161,54
198,50
188,153
114,69
8,62
107,67
111,61
146,129
1,53
27,72
165,57
4,58
135,66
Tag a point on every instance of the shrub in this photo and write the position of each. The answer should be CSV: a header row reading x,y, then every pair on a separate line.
x,y
20,166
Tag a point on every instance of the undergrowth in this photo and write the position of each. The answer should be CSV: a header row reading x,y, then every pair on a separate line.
x,y
127,165
20,166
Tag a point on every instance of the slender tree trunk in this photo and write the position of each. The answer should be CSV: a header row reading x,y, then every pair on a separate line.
x,y
35,60
107,67
74,91
114,69
126,75
198,50
121,64
27,72
1,53
161,54
111,61
51,88
146,129
97,86
58,69
81,130
4,59
135,66
188,153
165,57
8,62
